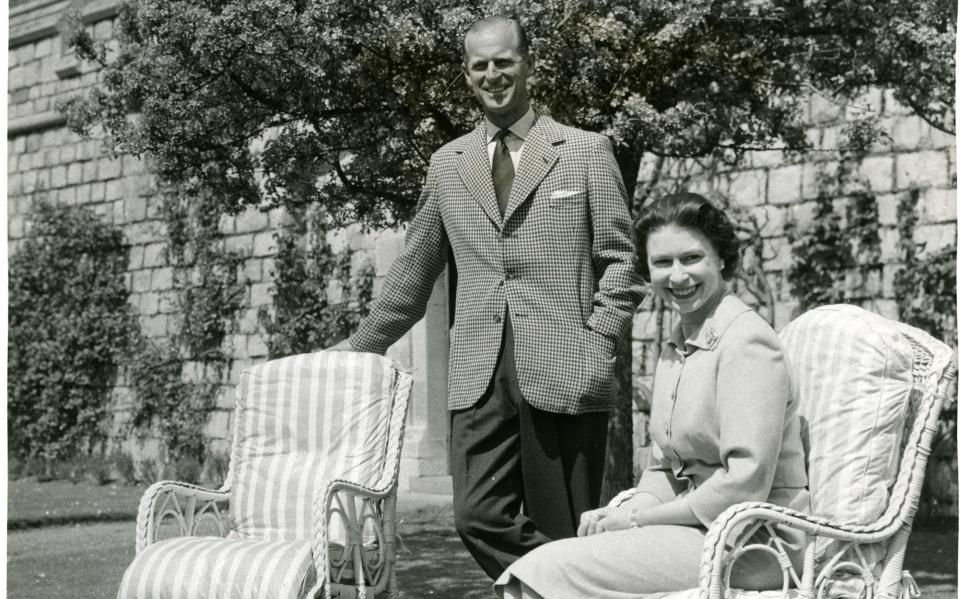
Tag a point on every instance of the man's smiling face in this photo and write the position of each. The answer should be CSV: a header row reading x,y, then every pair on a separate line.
x,y
497,72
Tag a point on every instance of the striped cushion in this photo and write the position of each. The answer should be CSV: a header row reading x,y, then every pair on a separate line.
x,y
852,374
306,420
214,568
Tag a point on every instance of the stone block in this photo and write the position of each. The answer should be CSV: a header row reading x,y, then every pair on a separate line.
x,y
770,218
42,104
218,426
888,244
264,244
135,257
142,232
29,181
909,133
26,162
260,294
831,139
153,255
161,279
149,303
115,190
68,153
251,270
26,53
103,30
15,226
154,326
14,184
878,172
785,184
131,165
277,217
242,243
90,171
136,208
249,323
889,276
941,139
110,168
252,220
58,177
74,174
884,307
169,302
44,47
256,347
267,266
938,205
936,237
141,281
98,192
922,169
823,111
143,185
776,254
68,196
887,208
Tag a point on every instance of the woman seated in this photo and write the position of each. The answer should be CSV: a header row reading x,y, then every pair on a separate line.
x,y
723,422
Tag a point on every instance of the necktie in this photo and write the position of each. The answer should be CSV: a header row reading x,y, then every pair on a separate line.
x,y
502,169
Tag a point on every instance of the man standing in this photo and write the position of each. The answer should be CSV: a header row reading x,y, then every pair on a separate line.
x,y
536,217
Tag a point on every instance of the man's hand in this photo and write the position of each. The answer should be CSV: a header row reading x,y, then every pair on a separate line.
x,y
342,346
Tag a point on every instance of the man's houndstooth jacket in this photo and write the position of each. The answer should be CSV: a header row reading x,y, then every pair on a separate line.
x,y
560,258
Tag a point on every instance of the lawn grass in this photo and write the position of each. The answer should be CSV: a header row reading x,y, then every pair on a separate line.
x,y
31,503
86,560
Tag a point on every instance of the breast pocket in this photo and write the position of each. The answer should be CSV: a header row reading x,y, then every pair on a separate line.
x,y
564,198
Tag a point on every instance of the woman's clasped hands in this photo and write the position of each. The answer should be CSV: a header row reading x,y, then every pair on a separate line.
x,y
604,519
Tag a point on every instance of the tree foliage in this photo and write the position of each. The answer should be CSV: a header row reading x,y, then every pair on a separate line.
x,y
252,100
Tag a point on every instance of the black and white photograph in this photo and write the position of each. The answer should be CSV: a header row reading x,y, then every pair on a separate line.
x,y
484,299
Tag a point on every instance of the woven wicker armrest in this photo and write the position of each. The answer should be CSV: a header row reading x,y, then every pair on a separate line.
x,y
730,537
190,507
367,522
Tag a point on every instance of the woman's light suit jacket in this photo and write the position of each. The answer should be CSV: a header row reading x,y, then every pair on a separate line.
x,y
723,421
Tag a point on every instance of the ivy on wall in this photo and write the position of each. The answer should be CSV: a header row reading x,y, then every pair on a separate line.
x,y
70,330
176,380
303,318
836,256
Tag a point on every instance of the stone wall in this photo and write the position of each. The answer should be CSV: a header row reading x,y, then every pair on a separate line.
x,y
47,162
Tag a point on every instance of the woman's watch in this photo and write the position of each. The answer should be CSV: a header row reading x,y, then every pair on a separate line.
x,y
634,518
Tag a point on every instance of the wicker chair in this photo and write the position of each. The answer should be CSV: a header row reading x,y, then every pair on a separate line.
x,y
309,505
870,391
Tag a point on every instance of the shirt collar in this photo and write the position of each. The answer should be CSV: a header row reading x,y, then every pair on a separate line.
x,y
708,334
521,128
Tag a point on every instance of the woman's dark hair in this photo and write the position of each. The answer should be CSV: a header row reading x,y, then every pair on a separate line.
x,y
693,211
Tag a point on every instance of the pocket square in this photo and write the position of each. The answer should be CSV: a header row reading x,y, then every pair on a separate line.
x,y
564,193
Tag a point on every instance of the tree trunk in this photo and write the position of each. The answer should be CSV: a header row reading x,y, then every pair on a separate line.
x,y
618,470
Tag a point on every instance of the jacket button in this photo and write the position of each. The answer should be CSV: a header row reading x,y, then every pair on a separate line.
x,y
497,319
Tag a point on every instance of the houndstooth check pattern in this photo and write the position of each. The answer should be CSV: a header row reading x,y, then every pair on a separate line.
x,y
559,258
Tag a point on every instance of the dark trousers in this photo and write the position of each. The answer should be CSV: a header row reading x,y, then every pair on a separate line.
x,y
521,476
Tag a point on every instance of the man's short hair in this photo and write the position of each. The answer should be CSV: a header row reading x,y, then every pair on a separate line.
x,y
487,22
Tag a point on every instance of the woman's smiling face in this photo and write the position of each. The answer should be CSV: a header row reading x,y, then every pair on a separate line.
x,y
685,270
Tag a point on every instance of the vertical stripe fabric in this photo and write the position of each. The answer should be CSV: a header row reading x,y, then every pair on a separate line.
x,y
288,454
302,421
852,374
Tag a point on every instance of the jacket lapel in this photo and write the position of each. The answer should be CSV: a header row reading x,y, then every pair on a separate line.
x,y
474,168
538,157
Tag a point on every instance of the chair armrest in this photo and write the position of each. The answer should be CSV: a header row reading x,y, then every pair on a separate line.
x,y
367,517
730,533
187,505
